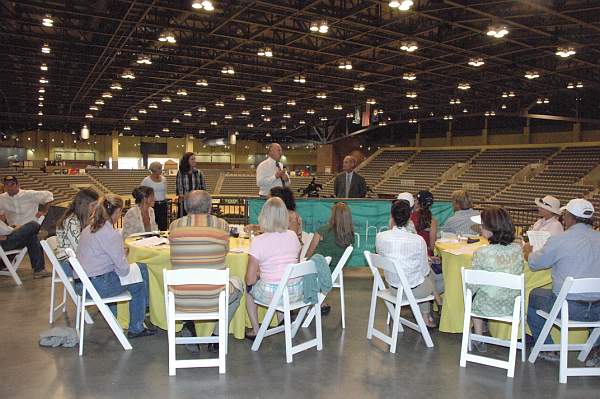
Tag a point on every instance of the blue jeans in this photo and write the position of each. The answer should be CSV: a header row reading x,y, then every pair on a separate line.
x,y
109,284
66,265
543,299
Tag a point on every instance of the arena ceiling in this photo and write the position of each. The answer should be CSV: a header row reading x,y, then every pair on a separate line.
x,y
93,44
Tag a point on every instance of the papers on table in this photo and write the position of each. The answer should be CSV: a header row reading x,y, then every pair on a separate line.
x,y
146,234
538,239
150,242
134,276
466,249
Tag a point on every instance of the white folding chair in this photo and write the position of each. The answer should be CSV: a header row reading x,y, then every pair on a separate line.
x,y
96,300
19,254
570,286
496,279
394,302
337,278
60,277
174,278
306,239
281,295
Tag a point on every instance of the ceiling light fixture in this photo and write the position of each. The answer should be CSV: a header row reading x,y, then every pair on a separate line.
x,y
310,111
214,123
128,74
319,26
476,61
291,102
201,82
266,107
321,95
182,92
134,118
300,79
565,52
44,81
89,116
99,102
402,5
228,116
227,70
152,105
167,37
93,108
345,64
107,94
44,67
338,107
165,129
187,113
41,90
287,116
266,119
126,127
455,101
201,109
411,94
48,21
240,97
166,99
371,101
464,86
142,111
301,122
250,125
349,115
532,75
409,46
410,76
46,48
85,132
41,98
413,106
503,106
323,118
219,104
116,86
266,89
265,52
144,59
40,113
497,31
205,5
412,120
245,112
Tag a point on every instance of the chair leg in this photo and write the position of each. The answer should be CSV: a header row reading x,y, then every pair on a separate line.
x,y
342,301
171,340
64,300
466,334
514,333
372,312
535,351
589,344
296,323
52,293
81,327
263,328
564,349
318,327
395,324
288,335
309,318
222,335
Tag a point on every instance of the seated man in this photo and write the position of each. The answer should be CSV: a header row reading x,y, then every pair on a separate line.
x,y
574,253
460,222
201,240
19,209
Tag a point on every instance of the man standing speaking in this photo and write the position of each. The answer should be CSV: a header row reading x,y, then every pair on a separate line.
x,y
349,184
271,173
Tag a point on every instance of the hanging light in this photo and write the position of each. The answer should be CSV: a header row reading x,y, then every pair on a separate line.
x,y
570,85
448,117
345,64
240,97
48,21
410,76
371,101
349,115
266,89
144,59
455,101
412,120
265,52
106,94
126,127
167,37
40,113
89,116
227,70
134,118
497,31
46,48
201,131
99,102
476,61
152,105
338,107
201,82
319,26
93,108
85,132
310,111
287,116
41,98
283,127
359,87
409,46
565,52
182,92
511,93
219,104
44,67
291,102
39,124
44,81
205,5
503,106
322,95
214,123
323,118
41,90
266,119
402,5
266,107
187,113
464,86
166,99
250,125
165,129
116,86
579,85
465,110
411,94
301,122
532,75
413,106
128,74
201,109
228,116
245,112
142,111
300,79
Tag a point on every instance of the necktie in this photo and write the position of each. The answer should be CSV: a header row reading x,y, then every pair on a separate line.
x,y
281,178
348,179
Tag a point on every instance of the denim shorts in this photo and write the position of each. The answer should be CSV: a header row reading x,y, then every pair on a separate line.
x,y
263,292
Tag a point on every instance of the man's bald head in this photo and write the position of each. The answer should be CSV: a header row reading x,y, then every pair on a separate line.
x,y
349,163
198,202
275,151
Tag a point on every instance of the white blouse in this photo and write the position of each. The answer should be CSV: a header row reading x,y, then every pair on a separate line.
x,y
133,222
160,188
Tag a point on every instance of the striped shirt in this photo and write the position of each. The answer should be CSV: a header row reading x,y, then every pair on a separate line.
x,y
183,186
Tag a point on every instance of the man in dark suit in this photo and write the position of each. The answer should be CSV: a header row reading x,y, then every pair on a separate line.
x,y
349,184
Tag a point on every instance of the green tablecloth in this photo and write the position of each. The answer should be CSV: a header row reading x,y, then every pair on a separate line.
x,y
369,216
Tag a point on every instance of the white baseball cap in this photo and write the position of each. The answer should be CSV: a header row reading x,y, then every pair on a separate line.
x,y
407,197
580,208
476,219
549,203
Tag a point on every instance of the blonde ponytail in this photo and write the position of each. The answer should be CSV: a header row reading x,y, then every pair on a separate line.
x,y
107,206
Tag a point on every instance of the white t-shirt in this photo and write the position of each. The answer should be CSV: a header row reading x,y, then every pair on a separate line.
x,y
265,176
22,207
552,226
160,188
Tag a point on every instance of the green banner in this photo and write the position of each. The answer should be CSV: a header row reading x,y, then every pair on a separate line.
x,y
369,218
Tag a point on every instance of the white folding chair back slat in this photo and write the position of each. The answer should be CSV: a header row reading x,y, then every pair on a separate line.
x,y
306,239
337,278
59,276
12,266
173,278
281,295
99,302
502,280
394,302
561,305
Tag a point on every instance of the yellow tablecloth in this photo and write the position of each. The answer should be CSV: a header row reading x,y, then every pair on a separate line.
x,y
453,309
159,258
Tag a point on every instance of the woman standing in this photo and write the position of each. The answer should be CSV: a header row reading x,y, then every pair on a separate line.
x,y
188,179
158,183
140,218
102,256
70,225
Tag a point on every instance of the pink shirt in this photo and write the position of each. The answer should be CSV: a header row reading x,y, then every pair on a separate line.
x,y
274,251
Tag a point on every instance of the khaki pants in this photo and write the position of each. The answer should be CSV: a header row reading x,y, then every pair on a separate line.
x,y
423,290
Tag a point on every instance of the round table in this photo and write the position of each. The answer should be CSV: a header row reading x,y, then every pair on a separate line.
x,y
159,258
453,309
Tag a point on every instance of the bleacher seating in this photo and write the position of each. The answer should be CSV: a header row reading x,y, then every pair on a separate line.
x,y
559,178
239,184
424,171
374,170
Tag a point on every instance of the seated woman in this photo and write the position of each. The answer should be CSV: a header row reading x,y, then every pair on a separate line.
x,y
549,210
269,255
409,250
502,255
460,222
287,195
333,238
140,218
102,256
70,225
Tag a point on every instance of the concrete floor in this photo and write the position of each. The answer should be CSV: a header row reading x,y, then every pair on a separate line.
x,y
348,367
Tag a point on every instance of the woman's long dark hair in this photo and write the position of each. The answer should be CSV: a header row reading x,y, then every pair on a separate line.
x,y
425,200
184,164
80,207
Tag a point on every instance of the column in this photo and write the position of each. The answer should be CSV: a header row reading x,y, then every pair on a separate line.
x,y
577,131
527,132
189,143
484,132
115,149
418,136
449,134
